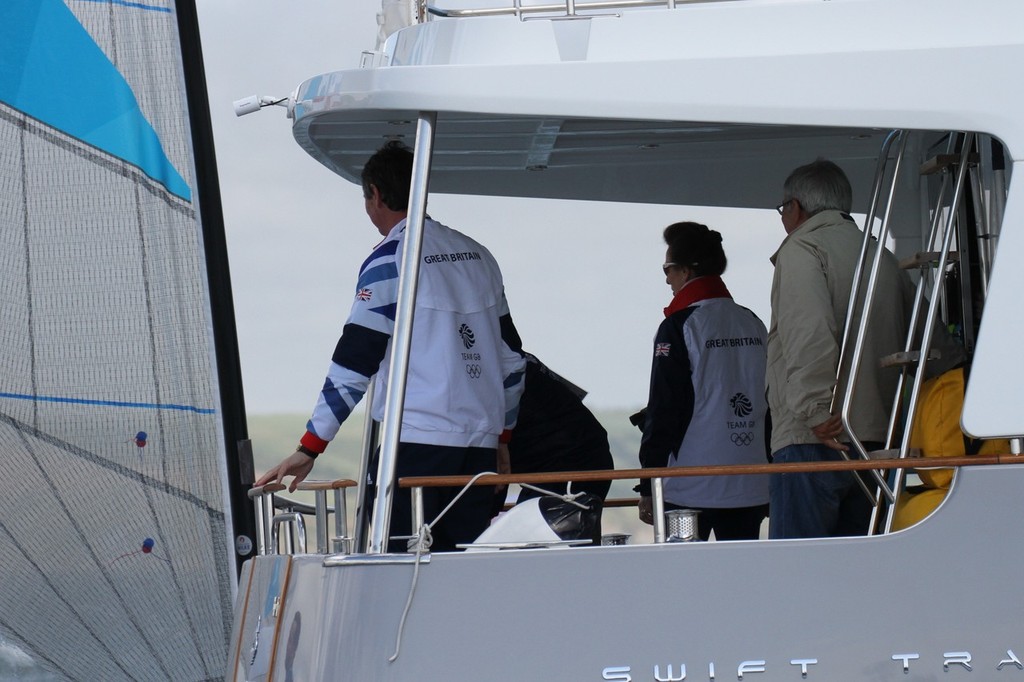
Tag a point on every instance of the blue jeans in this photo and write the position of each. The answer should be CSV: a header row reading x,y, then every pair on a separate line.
x,y
816,505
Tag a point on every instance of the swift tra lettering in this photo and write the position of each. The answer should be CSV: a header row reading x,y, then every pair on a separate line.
x,y
451,257
801,668
671,673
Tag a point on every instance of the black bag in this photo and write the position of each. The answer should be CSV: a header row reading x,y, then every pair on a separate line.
x,y
568,520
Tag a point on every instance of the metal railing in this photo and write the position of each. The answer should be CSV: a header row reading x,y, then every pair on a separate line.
x,y
848,330
289,527
932,314
566,9
265,497
656,476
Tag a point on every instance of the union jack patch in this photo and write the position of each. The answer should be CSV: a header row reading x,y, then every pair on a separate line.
x,y
364,294
661,350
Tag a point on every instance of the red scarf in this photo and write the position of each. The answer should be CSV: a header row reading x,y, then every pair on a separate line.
x,y
699,289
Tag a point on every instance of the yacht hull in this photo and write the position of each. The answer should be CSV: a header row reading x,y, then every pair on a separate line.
x,y
932,600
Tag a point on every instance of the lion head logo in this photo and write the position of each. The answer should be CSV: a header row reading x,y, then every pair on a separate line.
x,y
741,405
468,337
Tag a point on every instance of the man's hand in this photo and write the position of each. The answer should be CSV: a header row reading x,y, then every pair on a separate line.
x,y
646,509
296,464
504,467
828,432
504,459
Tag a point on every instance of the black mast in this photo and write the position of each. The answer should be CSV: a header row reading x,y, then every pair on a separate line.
x,y
229,371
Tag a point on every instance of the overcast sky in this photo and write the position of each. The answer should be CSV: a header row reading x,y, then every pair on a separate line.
x,y
583,280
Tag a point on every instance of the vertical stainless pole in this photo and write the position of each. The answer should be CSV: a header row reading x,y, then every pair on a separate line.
x,y
417,510
261,530
401,341
981,226
658,502
268,523
369,444
322,530
341,521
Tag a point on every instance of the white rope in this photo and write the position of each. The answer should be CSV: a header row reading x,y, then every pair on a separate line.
x,y
568,497
422,540
461,493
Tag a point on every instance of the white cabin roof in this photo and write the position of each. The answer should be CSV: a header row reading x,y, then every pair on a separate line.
x,y
705,104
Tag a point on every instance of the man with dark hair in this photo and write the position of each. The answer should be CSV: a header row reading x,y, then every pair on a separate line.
x,y
465,368
389,174
814,270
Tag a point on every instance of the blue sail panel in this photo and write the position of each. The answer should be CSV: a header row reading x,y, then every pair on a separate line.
x,y
52,70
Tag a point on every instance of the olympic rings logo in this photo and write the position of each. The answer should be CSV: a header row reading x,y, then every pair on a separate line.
x,y
741,439
474,371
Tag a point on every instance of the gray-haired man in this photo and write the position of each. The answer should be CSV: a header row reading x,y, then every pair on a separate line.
x,y
814,270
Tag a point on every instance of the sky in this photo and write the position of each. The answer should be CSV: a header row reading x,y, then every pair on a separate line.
x,y
583,279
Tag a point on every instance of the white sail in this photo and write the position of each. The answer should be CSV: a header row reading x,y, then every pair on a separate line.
x,y
114,534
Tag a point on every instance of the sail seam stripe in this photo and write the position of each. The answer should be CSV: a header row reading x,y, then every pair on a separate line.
x,y
108,403
97,157
22,124
118,469
132,5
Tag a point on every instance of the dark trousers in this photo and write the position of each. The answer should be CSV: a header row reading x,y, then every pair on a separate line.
x,y
734,523
465,521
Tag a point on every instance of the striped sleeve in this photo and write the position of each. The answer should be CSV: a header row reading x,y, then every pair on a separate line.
x,y
360,349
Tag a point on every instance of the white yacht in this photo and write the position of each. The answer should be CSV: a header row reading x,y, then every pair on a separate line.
x,y
690,103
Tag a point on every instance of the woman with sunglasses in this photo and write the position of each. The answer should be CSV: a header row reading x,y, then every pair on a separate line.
x,y
707,397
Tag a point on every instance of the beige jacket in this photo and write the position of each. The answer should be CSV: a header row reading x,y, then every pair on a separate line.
x,y
811,289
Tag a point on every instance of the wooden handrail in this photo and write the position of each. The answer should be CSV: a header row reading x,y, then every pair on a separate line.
x,y
269,488
265,490
717,470
327,485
